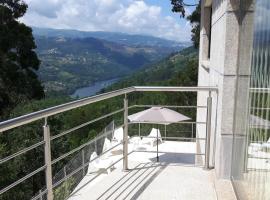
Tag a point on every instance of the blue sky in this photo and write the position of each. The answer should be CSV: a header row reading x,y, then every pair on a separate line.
x,y
147,17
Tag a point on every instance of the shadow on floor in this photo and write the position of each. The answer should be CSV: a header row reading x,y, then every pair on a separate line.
x,y
138,178
173,158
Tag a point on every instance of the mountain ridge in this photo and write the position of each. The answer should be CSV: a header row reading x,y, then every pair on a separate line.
x,y
118,37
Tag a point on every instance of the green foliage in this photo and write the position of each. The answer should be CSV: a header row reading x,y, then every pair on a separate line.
x,y
194,18
18,60
178,6
160,73
63,191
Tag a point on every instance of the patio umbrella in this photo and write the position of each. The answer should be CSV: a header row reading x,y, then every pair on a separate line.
x,y
157,115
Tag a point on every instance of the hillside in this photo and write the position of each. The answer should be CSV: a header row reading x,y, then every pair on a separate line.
x,y
178,69
71,63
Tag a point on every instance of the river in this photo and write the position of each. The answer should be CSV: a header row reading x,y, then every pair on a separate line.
x,y
93,89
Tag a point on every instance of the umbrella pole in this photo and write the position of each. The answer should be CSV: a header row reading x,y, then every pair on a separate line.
x,y
157,145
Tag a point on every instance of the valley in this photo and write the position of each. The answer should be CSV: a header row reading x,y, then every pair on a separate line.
x,y
69,62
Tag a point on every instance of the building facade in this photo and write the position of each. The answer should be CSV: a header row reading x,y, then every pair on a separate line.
x,y
234,56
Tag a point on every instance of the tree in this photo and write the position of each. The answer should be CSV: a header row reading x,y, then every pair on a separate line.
x,y
194,18
18,60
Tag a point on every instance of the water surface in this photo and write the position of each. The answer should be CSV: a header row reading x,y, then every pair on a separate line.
x,y
93,89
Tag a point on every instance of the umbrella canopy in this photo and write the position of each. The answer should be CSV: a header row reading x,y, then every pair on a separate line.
x,y
158,115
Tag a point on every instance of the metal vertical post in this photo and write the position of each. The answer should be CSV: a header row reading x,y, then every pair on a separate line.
x,y
157,146
208,131
125,137
96,144
40,195
83,162
65,172
113,129
48,160
192,136
139,130
165,131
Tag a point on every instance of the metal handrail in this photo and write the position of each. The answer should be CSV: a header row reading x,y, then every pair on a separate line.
x,y
162,123
165,106
25,119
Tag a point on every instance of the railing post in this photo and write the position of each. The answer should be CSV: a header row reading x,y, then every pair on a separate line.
x,y
113,129
165,131
40,195
48,160
83,162
208,131
125,137
139,129
192,136
96,144
65,172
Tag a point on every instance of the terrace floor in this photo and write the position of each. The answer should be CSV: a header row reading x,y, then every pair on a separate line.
x,y
175,177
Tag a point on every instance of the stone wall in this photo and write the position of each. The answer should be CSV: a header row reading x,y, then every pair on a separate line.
x,y
228,63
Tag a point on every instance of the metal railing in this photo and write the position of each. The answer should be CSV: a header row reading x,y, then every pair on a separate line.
x,y
47,138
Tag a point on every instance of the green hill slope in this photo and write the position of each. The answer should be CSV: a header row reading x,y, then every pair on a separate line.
x,y
178,69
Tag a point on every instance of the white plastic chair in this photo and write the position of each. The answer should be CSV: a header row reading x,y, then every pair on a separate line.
x,y
152,138
118,135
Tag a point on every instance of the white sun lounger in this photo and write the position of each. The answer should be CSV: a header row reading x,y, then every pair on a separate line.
x,y
258,146
100,163
152,138
266,144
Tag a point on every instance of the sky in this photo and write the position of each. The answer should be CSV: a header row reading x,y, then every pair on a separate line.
x,y
146,17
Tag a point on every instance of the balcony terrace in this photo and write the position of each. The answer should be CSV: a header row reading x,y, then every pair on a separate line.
x,y
184,170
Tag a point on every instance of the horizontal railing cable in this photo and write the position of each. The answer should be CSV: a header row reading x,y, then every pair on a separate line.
x,y
85,124
80,147
21,152
22,179
39,196
81,167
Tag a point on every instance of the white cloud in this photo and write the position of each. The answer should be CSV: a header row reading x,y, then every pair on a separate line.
x,y
129,16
